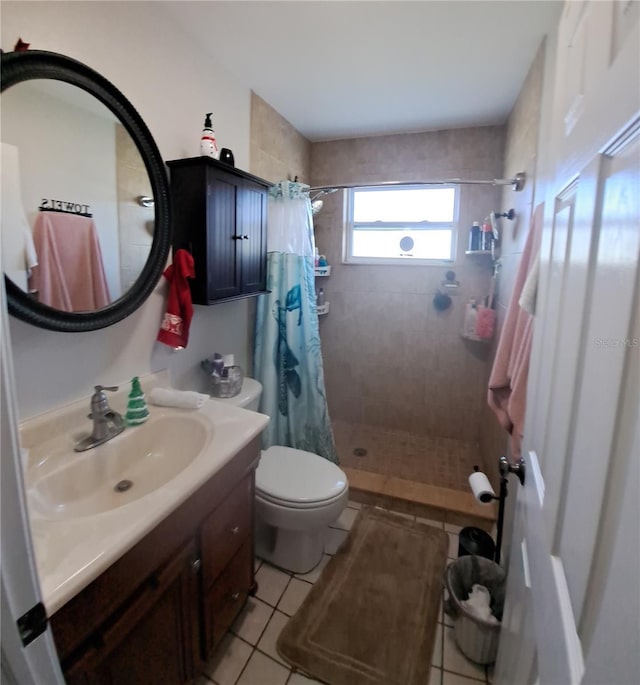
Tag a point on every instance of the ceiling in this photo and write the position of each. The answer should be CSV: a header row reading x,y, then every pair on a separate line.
x,y
344,69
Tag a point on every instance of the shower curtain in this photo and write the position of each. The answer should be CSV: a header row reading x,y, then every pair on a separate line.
x,y
287,358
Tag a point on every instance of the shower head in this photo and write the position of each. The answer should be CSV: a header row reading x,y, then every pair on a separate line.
x,y
322,191
316,206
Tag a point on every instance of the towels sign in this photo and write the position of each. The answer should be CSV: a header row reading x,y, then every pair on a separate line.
x,y
47,205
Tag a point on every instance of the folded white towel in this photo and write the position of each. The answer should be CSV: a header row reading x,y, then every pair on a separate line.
x,y
184,399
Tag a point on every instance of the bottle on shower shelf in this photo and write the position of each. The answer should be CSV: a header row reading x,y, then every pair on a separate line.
x,y
320,298
486,241
474,237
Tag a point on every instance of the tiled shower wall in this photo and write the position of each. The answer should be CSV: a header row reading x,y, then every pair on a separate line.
x,y
390,359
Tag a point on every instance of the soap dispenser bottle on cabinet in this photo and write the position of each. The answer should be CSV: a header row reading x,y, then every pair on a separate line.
x,y
208,145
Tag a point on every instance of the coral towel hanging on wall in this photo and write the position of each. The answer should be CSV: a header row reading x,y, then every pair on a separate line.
x,y
174,330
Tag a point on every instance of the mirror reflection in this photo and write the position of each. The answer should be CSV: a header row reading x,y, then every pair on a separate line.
x,y
74,235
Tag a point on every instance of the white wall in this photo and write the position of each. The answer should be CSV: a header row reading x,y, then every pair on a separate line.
x,y
172,84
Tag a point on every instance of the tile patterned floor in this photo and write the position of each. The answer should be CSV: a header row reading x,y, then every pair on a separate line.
x,y
444,462
247,655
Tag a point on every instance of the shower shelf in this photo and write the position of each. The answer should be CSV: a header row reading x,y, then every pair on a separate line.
x,y
323,309
322,270
476,338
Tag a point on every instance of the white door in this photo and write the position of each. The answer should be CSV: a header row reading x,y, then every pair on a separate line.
x,y
25,660
573,601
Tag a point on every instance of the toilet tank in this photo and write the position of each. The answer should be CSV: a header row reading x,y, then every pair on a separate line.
x,y
249,396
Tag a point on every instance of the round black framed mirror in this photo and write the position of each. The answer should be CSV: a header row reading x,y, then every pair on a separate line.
x,y
36,70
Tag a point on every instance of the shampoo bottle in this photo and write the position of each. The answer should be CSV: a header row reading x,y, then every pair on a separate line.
x,y
208,146
474,237
320,299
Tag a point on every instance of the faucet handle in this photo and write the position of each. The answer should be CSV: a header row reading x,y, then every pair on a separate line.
x,y
99,402
110,388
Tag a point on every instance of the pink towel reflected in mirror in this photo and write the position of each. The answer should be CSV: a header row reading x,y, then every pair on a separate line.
x,y
70,275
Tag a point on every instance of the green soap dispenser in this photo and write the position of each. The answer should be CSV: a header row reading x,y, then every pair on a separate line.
x,y
137,411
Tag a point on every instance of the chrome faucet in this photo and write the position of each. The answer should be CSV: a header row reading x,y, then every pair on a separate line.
x,y
106,422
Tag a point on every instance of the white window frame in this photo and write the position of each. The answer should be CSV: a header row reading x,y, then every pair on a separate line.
x,y
349,258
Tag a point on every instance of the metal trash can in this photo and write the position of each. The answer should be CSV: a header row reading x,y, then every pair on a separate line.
x,y
476,541
476,637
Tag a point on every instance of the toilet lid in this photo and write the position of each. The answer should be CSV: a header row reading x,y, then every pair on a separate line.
x,y
296,476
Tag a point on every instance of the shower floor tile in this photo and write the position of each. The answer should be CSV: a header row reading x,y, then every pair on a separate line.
x,y
443,462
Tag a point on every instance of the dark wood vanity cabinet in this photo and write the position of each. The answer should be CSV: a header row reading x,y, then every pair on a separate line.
x,y
150,640
156,614
219,214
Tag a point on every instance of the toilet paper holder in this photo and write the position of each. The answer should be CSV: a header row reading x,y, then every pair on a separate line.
x,y
505,467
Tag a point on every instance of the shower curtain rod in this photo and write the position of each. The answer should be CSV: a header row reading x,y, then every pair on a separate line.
x,y
517,183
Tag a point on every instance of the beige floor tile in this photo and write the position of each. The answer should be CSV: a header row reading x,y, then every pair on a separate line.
x,y
271,584
293,596
430,522
456,662
334,537
453,546
261,670
435,676
252,620
410,517
452,528
228,661
346,519
449,678
436,659
313,575
299,679
268,640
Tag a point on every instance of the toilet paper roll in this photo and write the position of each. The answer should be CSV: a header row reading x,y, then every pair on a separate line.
x,y
481,487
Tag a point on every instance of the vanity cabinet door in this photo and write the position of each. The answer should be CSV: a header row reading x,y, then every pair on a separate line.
x,y
224,531
227,596
152,640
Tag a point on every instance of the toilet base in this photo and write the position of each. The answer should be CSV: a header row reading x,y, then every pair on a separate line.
x,y
297,551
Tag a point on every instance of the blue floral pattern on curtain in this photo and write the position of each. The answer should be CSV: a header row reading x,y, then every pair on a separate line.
x,y
287,357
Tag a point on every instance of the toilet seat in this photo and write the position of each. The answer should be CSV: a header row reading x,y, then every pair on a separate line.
x,y
297,479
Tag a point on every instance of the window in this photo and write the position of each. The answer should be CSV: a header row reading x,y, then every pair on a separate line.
x,y
401,224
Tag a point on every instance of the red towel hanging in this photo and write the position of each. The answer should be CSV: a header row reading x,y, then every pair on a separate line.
x,y
174,330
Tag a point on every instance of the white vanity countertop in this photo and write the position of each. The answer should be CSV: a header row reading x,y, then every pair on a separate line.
x,y
72,551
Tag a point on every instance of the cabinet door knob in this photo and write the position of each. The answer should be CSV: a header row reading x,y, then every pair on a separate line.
x,y
236,237
235,530
235,596
245,237
195,565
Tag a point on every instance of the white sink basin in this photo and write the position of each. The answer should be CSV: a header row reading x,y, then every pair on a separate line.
x,y
79,524
68,484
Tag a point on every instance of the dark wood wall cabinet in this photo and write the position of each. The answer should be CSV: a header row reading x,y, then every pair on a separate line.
x,y
219,214
158,612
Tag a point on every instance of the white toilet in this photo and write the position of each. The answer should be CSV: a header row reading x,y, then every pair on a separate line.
x,y
298,494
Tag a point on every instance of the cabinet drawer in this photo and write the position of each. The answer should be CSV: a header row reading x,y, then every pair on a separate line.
x,y
224,531
227,596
